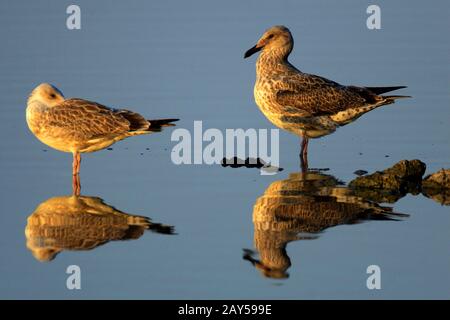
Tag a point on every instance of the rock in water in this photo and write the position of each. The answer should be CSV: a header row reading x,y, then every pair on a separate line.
x,y
407,169
437,186
438,180
395,182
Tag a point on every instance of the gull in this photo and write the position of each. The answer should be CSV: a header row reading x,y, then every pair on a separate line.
x,y
79,126
307,105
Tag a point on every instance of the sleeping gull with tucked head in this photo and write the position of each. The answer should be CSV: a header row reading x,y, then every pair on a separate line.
x,y
78,126
307,105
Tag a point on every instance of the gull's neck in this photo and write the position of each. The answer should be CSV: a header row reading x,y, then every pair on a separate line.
x,y
273,61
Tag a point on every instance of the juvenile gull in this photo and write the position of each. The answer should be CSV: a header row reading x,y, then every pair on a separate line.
x,y
78,126
307,105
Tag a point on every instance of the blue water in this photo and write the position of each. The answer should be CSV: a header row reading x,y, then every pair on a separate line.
x,y
185,60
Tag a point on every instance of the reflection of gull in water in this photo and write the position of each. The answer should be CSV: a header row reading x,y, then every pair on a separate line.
x,y
306,105
299,208
81,223
78,126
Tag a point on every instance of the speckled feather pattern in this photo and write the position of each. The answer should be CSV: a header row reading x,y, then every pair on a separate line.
x,y
305,104
82,119
78,125
83,126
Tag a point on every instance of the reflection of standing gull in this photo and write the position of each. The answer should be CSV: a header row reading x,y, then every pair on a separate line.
x,y
299,207
81,223
78,126
304,104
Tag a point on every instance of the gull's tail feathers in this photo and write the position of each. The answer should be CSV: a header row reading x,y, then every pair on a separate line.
x,y
380,90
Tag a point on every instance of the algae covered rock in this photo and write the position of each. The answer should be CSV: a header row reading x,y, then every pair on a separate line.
x,y
395,178
437,186
438,180
407,169
391,184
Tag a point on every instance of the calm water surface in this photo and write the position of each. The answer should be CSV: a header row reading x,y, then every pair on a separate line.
x,y
185,60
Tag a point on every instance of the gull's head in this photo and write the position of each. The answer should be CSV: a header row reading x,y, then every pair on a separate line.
x,y
275,39
47,94
45,254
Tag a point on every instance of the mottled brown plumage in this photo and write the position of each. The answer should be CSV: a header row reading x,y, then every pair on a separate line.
x,y
301,207
79,126
307,105
81,223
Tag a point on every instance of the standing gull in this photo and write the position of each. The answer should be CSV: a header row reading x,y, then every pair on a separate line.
x,y
78,126
306,105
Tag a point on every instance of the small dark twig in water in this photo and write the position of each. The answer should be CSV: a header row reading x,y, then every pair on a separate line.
x,y
236,162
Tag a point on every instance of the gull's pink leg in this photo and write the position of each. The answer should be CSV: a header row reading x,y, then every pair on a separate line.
x,y
304,154
76,163
76,186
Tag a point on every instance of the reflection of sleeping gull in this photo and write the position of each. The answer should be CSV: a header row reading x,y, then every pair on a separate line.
x,y
81,223
78,126
304,104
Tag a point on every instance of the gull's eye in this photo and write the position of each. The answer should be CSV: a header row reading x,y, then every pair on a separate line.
x,y
270,36
52,95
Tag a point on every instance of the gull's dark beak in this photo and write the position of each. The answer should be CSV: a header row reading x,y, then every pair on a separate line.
x,y
252,51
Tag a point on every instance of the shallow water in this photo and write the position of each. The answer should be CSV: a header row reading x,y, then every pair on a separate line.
x,y
186,60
